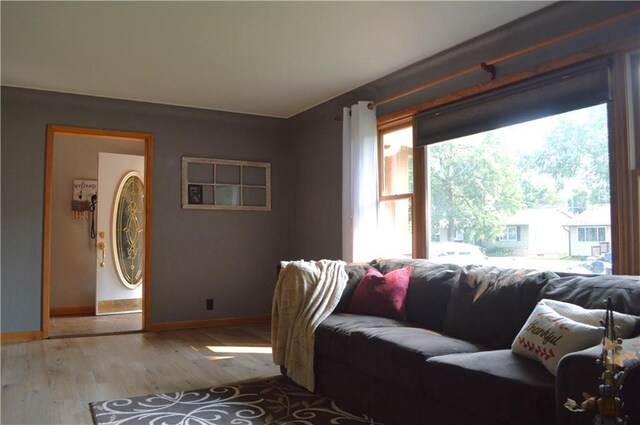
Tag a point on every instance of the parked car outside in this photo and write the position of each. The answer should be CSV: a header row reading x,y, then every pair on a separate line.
x,y
601,265
458,253
607,257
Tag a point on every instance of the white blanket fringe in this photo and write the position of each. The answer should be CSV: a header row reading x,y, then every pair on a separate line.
x,y
306,293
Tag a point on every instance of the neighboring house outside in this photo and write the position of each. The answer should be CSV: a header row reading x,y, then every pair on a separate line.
x,y
590,231
536,231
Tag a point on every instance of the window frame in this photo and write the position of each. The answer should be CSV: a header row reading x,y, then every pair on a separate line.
x,y
381,174
506,237
214,183
416,198
625,242
587,231
633,85
624,158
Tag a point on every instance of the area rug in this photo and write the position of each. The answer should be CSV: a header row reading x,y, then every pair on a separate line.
x,y
276,401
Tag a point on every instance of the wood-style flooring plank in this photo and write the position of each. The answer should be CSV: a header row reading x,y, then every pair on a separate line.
x,y
52,381
65,326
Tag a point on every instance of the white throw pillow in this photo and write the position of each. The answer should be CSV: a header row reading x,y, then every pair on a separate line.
x,y
548,336
626,324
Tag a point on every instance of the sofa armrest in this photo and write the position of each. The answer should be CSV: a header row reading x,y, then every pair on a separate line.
x,y
578,372
631,389
355,272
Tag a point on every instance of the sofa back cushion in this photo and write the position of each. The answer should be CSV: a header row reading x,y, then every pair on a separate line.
x,y
355,272
489,305
626,324
592,292
429,289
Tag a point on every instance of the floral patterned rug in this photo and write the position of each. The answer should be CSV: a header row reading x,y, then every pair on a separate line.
x,y
276,401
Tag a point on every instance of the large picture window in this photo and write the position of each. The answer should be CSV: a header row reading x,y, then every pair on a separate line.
x,y
521,193
541,173
522,173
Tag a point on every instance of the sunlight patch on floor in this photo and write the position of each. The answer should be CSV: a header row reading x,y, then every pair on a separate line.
x,y
219,357
239,349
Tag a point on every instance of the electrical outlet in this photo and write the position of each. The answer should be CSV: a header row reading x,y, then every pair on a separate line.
x,y
209,303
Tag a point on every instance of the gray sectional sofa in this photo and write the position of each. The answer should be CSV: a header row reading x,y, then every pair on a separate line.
x,y
451,362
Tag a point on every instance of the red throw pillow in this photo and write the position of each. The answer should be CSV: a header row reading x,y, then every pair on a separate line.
x,y
379,295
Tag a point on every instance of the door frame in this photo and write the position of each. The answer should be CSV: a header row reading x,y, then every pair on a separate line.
x,y
147,139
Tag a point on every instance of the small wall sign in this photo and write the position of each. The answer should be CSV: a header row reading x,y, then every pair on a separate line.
x,y
83,190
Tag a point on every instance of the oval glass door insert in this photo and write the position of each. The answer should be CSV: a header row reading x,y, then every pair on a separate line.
x,y
128,230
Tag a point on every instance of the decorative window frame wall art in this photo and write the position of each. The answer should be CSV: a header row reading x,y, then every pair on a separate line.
x,y
223,184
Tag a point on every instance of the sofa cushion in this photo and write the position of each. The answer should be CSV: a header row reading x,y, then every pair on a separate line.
x,y
548,336
592,291
429,289
626,324
397,354
382,295
332,335
489,305
506,387
355,273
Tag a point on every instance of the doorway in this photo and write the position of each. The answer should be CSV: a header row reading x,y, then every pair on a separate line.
x,y
71,306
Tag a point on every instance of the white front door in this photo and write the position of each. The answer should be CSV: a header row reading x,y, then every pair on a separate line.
x,y
113,296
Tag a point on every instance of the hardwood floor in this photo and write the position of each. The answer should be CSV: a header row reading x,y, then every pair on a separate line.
x,y
94,325
52,381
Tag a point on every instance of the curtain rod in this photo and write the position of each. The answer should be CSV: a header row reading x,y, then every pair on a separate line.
x,y
489,66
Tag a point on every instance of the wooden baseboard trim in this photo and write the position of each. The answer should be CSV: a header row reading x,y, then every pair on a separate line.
x,y
192,324
20,336
80,310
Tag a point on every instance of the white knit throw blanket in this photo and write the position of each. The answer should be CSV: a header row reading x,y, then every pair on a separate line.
x,y
306,293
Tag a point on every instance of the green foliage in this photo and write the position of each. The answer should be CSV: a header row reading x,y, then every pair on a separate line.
x,y
578,201
538,195
496,251
473,188
576,151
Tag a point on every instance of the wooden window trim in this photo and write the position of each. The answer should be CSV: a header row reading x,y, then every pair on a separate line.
x,y
623,46
420,235
624,169
396,197
394,124
418,207
636,192
625,233
634,124
381,132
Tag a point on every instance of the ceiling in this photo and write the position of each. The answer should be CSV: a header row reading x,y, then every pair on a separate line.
x,y
265,58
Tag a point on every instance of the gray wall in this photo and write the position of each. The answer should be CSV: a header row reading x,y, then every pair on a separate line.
x,y
73,252
231,255
228,255
317,137
317,211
